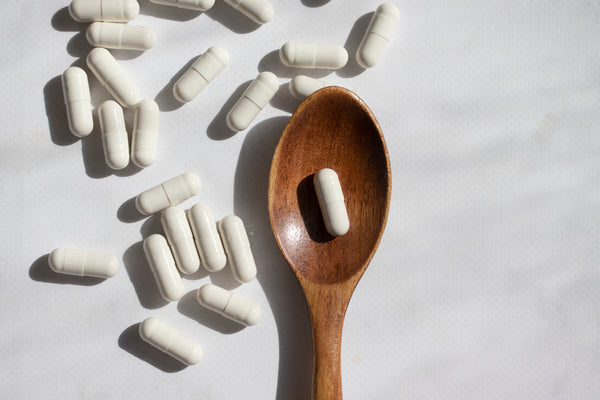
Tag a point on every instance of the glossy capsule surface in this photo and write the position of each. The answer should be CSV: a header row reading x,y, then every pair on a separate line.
x,y
76,91
200,5
104,10
259,11
331,201
379,33
114,134
206,235
229,304
237,246
113,77
163,267
169,193
169,340
83,263
255,98
302,86
200,74
120,36
180,238
313,55
145,133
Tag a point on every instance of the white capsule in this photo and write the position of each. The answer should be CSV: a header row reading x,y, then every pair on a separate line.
x,y
104,10
200,74
180,238
163,267
145,133
313,55
237,247
331,201
114,134
207,237
201,5
170,193
120,36
229,304
378,34
169,340
113,77
83,263
76,91
259,11
255,98
302,86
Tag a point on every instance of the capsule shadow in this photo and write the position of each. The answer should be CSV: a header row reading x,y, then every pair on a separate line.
x,y
188,305
310,210
352,42
78,46
56,112
151,226
224,278
40,271
167,12
218,129
165,99
284,100
272,63
141,277
231,18
200,274
314,3
62,21
129,213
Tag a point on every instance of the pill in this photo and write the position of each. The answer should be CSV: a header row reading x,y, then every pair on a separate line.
x,y
145,133
259,11
201,5
331,201
76,91
313,55
207,237
237,247
83,263
229,304
200,74
169,340
163,267
255,98
180,238
302,86
113,77
114,134
104,10
120,36
378,34
170,193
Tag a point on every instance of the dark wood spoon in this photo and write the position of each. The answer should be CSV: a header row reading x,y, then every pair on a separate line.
x,y
332,128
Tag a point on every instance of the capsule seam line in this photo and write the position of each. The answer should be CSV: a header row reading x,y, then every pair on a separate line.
x,y
85,255
166,194
384,38
252,101
227,304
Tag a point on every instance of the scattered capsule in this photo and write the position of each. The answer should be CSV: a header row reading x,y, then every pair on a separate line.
x,y
200,5
200,74
104,10
169,340
180,238
313,55
120,36
229,304
163,267
76,91
145,133
237,247
83,263
259,11
378,34
170,193
113,77
207,237
302,86
331,201
255,98
114,134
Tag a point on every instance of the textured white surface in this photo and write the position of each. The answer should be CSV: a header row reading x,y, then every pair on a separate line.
x,y
486,284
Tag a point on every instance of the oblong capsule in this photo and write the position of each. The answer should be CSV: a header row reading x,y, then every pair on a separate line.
x,y
200,5
114,134
76,91
169,340
180,238
120,36
169,193
313,55
255,98
331,201
113,77
104,10
200,74
145,133
83,263
163,267
378,34
207,237
237,246
259,11
229,304
302,86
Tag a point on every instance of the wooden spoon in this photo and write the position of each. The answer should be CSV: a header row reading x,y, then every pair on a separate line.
x,y
333,128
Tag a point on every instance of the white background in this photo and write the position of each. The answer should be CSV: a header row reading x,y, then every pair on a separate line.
x,y
486,284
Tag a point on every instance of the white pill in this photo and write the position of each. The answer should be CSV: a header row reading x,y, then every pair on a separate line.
x,y
331,201
229,304
180,238
145,133
302,86
163,267
170,193
76,91
313,55
259,11
113,77
207,237
83,263
200,74
255,98
237,247
169,340
201,5
379,33
104,10
114,134
120,36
